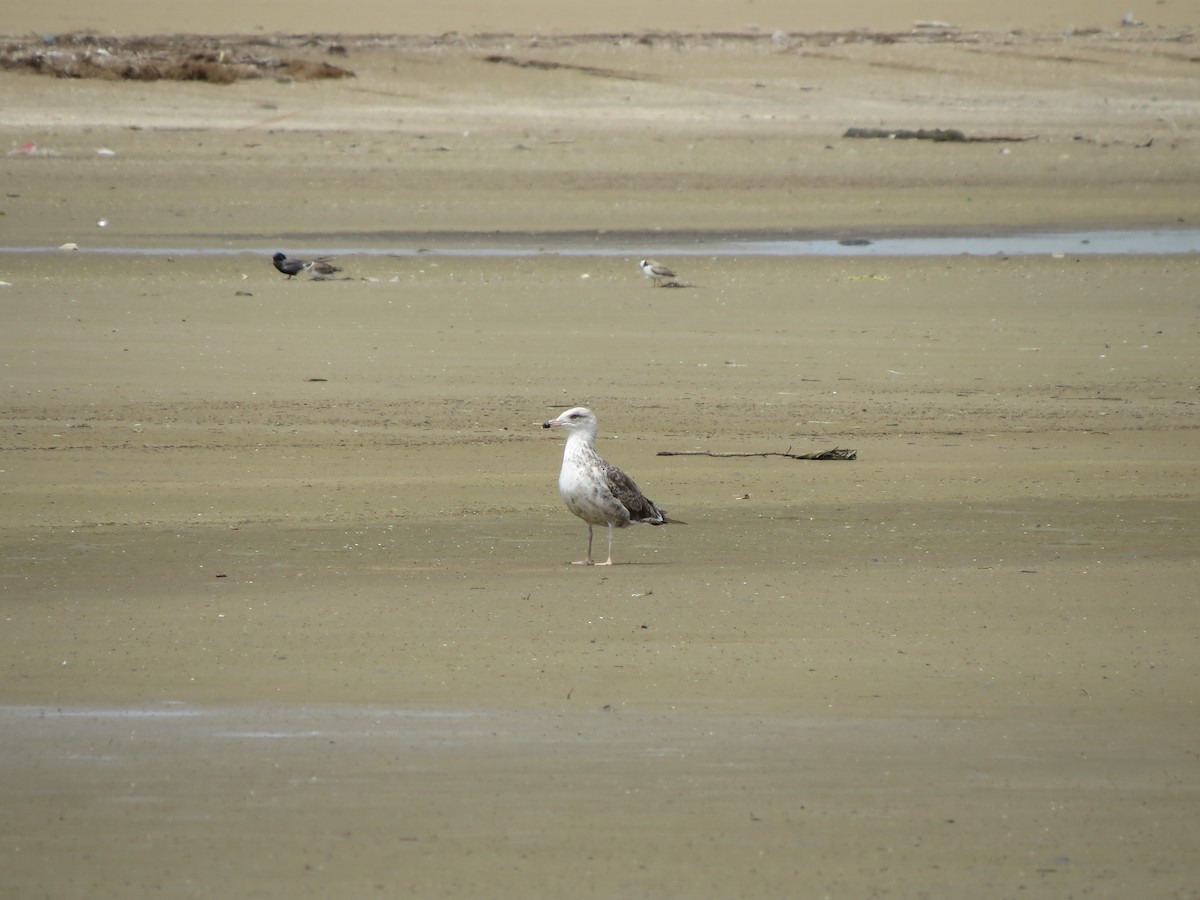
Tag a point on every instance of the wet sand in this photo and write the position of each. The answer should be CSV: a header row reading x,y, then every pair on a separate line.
x,y
287,609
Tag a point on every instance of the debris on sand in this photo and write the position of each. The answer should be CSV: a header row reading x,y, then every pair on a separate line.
x,y
170,58
952,135
838,453
32,150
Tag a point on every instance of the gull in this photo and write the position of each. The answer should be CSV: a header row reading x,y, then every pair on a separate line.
x,y
318,268
655,271
595,490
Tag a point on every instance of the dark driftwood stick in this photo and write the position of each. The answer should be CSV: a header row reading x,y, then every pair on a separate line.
x,y
940,135
835,453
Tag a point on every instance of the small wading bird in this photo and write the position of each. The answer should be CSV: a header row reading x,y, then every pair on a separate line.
x,y
595,490
655,271
318,268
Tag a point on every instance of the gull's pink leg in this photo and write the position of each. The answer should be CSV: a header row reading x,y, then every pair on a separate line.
x,y
589,561
609,562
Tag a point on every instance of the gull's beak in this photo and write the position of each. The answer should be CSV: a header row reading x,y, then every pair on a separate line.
x,y
551,423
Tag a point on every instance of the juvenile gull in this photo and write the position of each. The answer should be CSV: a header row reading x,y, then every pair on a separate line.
x,y
318,268
595,490
655,271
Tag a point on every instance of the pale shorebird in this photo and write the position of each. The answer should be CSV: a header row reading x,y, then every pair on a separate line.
x,y
655,271
318,268
595,490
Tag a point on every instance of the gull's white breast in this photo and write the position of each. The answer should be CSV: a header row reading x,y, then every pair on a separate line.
x,y
584,488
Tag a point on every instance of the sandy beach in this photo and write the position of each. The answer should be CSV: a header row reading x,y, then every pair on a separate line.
x,y
286,602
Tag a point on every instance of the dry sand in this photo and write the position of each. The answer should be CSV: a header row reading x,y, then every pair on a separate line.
x,y
284,601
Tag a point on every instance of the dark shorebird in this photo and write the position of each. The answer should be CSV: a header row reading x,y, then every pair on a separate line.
x,y
595,490
318,268
655,271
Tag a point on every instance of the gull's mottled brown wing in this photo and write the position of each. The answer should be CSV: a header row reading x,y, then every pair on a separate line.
x,y
641,508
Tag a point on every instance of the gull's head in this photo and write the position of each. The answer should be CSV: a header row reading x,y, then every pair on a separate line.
x,y
574,420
